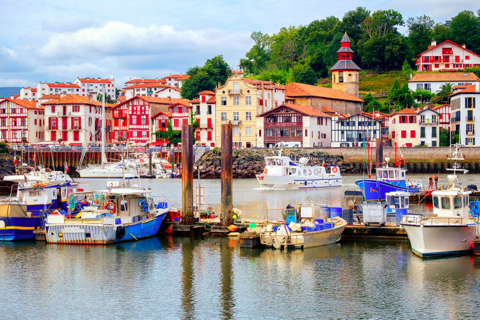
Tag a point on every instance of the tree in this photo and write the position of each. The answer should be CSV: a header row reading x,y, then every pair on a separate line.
x,y
423,95
405,97
331,55
394,92
406,69
108,98
308,76
215,71
172,136
352,22
466,30
445,137
445,92
420,33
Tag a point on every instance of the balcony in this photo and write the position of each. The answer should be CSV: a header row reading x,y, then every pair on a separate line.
x,y
428,121
234,92
52,127
455,119
470,119
206,126
76,127
237,122
283,124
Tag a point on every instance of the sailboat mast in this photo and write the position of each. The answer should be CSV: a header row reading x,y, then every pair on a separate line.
x,y
103,128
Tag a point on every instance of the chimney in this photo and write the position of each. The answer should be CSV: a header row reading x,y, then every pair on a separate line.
x,y
411,75
464,46
477,87
434,43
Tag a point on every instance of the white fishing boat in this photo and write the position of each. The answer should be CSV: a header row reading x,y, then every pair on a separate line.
x,y
313,226
285,173
449,230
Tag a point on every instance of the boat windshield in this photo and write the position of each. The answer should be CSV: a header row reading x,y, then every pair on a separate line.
x,y
445,203
457,202
435,202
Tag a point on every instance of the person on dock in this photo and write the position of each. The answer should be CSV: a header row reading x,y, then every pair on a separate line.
x,y
430,183
436,181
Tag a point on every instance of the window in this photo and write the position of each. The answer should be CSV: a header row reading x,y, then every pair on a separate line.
x,y
236,89
76,108
434,132
434,143
235,131
419,86
53,109
413,134
144,134
340,76
76,136
467,57
224,101
470,129
435,202
413,119
235,101
403,119
248,131
134,120
224,116
209,110
457,202
422,132
144,119
134,133
469,102
198,108
35,121
260,132
236,116
209,135
248,100
469,115
404,134
445,203
248,116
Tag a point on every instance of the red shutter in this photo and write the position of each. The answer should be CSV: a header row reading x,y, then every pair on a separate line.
x,y
203,99
209,135
261,102
197,135
404,133
175,122
209,122
412,134
184,121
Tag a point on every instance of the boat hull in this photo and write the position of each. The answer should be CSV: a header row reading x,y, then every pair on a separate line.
x,y
104,174
19,229
437,240
296,183
305,240
142,230
374,190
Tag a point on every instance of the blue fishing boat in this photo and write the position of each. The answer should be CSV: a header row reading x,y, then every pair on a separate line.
x,y
122,212
388,179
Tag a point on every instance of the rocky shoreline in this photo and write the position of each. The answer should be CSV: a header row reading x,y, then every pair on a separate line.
x,y
249,163
6,168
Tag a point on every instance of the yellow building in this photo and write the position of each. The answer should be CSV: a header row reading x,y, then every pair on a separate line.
x,y
403,128
239,101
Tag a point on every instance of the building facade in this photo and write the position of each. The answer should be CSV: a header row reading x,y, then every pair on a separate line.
x,y
355,131
433,82
90,86
294,123
151,90
204,108
429,128
446,56
403,128
28,94
445,115
239,101
21,119
74,119
465,109
176,80
58,88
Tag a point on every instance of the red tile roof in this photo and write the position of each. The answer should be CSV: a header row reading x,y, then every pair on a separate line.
x,y
181,104
309,111
149,85
147,81
438,107
444,77
72,99
168,101
88,80
433,47
295,89
63,85
237,72
406,111
211,100
177,76
469,89
210,93
168,114
50,97
25,103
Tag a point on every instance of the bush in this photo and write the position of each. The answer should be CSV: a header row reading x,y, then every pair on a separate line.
x,y
4,147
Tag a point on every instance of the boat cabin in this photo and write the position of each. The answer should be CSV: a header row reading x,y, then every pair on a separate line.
x,y
397,200
391,174
450,203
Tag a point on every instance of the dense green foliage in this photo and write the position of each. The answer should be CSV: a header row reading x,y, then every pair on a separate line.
x,y
215,71
297,53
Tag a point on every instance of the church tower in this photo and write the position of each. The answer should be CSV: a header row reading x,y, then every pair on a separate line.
x,y
345,73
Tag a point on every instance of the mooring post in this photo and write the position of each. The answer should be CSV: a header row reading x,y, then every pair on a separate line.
x,y
150,160
187,175
379,153
227,164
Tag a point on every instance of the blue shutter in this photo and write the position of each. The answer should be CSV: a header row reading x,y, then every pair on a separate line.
x,y
466,141
473,105
473,141
466,102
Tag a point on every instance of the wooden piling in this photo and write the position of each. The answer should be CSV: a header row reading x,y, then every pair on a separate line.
x,y
226,175
379,153
187,175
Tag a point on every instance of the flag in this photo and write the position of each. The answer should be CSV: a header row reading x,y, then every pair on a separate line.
x,y
15,158
373,190
66,166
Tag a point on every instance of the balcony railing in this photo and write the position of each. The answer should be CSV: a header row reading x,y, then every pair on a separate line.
x,y
76,127
428,121
470,119
231,91
51,127
454,119
283,124
237,122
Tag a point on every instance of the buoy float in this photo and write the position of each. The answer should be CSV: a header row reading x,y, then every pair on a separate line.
x,y
266,171
334,169
232,228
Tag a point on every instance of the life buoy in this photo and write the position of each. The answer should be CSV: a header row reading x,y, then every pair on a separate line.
x,y
334,169
110,205
266,170
79,190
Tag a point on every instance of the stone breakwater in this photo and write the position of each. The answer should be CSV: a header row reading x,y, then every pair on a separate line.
x,y
249,163
6,168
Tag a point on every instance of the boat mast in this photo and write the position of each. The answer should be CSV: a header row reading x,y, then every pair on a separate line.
x,y
104,158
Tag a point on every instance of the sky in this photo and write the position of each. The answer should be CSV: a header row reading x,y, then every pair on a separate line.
x,y
52,40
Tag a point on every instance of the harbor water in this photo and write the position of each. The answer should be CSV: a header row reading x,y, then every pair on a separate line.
x,y
213,278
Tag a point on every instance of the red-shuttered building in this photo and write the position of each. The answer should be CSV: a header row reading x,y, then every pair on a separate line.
x,y
444,122
132,118
21,119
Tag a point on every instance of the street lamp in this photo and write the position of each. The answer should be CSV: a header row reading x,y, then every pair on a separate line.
x,y
240,139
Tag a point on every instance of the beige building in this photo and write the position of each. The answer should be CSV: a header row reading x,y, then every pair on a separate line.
x,y
239,101
403,128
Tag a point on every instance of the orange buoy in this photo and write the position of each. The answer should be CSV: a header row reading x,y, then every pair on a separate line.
x,y
169,229
232,228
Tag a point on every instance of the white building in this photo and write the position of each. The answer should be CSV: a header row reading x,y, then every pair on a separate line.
x,y
28,94
429,127
204,110
21,119
294,123
57,88
95,86
73,118
434,81
151,90
465,109
355,131
446,56
176,80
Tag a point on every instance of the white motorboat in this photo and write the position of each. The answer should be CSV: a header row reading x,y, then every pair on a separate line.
x,y
449,230
285,173
107,171
312,226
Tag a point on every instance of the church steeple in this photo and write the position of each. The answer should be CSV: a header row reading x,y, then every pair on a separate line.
x,y
345,72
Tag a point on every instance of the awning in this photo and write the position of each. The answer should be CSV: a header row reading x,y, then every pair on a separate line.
x,y
75,144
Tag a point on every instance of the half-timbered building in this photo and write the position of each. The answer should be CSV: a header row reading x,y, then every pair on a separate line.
x,y
355,130
204,110
294,123
21,119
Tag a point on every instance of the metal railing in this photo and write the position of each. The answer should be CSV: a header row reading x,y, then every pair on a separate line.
x,y
424,220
